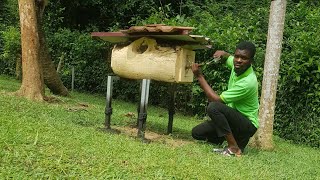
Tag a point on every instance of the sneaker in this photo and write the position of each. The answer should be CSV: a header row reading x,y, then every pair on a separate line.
x,y
228,152
218,150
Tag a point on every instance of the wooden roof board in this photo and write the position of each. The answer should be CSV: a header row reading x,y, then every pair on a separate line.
x,y
120,37
178,34
154,25
117,40
113,37
200,39
153,29
186,38
196,46
158,28
116,34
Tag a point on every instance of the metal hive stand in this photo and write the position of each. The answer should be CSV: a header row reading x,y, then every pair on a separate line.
x,y
142,108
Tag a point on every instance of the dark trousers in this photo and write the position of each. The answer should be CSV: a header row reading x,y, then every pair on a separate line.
x,y
224,120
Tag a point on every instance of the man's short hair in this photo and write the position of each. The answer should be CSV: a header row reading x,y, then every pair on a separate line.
x,y
249,46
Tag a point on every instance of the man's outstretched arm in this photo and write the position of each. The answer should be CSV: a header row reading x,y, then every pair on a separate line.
x,y
210,93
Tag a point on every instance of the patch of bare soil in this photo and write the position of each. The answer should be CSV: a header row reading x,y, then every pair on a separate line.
x,y
53,99
78,107
154,137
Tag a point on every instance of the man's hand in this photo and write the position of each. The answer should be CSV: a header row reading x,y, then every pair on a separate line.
x,y
196,69
222,55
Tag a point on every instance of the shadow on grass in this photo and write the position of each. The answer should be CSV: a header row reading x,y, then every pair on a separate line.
x,y
177,132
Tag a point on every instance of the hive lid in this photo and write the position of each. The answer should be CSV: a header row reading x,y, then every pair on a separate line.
x,y
158,28
175,34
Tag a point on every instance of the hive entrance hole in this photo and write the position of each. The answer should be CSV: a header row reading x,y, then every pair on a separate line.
x,y
142,48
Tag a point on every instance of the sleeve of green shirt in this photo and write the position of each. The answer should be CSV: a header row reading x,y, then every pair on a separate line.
x,y
229,62
236,93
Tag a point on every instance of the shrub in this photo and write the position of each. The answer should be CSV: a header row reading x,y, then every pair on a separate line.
x,y
11,50
298,95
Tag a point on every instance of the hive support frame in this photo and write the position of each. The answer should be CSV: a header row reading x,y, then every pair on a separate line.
x,y
171,109
108,109
142,109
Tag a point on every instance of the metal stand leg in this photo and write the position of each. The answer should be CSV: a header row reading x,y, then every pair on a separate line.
x,y
171,110
108,109
142,112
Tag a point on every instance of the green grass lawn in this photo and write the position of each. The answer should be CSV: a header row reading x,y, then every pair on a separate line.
x,y
63,140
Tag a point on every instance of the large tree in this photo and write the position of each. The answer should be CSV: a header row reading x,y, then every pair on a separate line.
x,y
32,85
37,66
263,137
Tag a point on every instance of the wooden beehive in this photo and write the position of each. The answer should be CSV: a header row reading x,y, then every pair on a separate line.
x,y
145,59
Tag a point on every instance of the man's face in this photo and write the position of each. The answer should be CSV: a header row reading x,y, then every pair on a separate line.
x,y
241,61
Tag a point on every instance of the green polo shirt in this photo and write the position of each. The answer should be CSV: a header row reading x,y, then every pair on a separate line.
x,y
242,93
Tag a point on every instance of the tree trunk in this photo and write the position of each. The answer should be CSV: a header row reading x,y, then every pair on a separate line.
x,y
263,138
32,85
51,77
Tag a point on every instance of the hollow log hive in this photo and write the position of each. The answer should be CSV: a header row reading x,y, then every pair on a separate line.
x,y
157,52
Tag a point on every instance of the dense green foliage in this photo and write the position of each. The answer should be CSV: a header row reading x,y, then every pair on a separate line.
x,y
11,50
68,25
298,101
86,55
9,36
63,140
